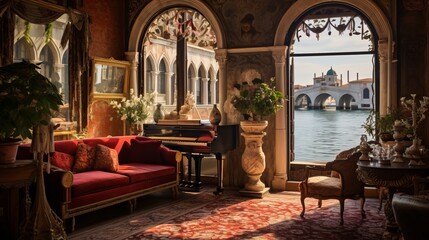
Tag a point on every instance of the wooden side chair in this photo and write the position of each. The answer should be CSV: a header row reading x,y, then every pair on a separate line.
x,y
342,184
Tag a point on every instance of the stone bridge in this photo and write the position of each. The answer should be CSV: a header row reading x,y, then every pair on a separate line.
x,y
314,97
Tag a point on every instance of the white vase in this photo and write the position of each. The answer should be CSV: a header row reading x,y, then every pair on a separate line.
x,y
253,158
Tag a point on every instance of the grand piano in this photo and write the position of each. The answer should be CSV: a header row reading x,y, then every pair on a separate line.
x,y
195,141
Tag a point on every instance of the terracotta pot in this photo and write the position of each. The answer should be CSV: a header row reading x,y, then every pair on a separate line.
x,y
8,151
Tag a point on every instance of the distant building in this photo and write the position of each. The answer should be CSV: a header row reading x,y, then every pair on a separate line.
x,y
328,90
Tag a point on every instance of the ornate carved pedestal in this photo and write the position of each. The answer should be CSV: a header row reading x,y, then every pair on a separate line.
x,y
253,158
396,176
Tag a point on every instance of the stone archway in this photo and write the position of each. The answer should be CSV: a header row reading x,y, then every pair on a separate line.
x,y
145,17
384,31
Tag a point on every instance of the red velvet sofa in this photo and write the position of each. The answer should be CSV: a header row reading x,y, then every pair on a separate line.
x,y
119,169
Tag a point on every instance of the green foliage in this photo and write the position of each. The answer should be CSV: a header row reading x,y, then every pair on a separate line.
x,y
376,124
48,32
136,109
257,100
26,98
27,32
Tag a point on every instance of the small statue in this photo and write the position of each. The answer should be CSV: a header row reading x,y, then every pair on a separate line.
x,y
189,104
364,148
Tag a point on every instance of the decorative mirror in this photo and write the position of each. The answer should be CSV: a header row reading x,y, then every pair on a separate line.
x,y
109,78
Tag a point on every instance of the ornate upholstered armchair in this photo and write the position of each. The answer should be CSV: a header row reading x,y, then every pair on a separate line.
x,y
342,183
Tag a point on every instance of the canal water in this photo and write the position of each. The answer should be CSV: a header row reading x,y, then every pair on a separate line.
x,y
321,134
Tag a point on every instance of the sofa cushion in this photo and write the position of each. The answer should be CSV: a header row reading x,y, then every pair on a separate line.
x,y
84,159
96,181
111,142
124,153
106,159
146,151
141,171
62,160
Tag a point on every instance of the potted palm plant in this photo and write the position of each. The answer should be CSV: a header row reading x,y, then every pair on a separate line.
x,y
26,99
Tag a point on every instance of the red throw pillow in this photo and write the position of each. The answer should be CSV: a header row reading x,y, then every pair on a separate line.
x,y
84,159
147,151
62,160
106,159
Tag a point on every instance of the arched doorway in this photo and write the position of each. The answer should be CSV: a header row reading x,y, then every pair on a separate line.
x,y
142,25
386,73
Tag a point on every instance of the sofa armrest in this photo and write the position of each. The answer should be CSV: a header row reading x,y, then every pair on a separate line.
x,y
58,184
170,157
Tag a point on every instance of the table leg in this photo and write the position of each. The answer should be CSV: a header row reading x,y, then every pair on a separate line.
x,y
391,231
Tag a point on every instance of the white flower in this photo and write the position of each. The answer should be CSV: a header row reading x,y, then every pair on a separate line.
x,y
136,109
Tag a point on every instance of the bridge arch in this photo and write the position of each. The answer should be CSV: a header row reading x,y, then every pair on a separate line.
x,y
302,100
319,101
347,101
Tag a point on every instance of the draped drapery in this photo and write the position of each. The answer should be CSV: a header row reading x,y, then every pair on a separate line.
x,y
77,35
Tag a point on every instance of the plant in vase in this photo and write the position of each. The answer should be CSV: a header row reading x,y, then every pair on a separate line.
x,y
134,110
255,101
27,99
381,126
418,110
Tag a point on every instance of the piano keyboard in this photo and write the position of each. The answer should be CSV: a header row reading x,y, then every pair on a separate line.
x,y
184,141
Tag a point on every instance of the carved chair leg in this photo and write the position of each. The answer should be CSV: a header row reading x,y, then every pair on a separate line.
x,y
319,203
362,210
303,206
341,211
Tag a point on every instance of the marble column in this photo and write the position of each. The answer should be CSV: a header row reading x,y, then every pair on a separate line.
x,y
281,143
221,58
204,94
132,57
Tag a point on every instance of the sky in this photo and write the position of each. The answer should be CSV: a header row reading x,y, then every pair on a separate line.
x,y
305,67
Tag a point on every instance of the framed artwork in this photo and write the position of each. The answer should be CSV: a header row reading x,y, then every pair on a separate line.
x,y
110,78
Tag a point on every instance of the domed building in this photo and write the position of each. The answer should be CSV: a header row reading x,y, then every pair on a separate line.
x,y
330,79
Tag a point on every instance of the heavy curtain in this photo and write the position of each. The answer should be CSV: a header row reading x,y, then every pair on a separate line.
x,y
77,34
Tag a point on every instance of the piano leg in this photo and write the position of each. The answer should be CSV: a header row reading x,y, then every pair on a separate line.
x,y
189,185
197,184
219,189
189,155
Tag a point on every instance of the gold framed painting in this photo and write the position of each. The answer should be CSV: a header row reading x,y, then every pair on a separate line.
x,y
110,78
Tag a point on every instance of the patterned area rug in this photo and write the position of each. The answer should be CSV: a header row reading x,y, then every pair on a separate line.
x,y
231,216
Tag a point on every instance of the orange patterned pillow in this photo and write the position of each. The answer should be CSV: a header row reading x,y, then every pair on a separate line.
x,y
84,158
106,159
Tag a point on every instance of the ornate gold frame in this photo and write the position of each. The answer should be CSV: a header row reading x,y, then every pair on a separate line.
x,y
109,78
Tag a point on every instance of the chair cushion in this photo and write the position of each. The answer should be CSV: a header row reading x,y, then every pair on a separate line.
x,y
323,185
